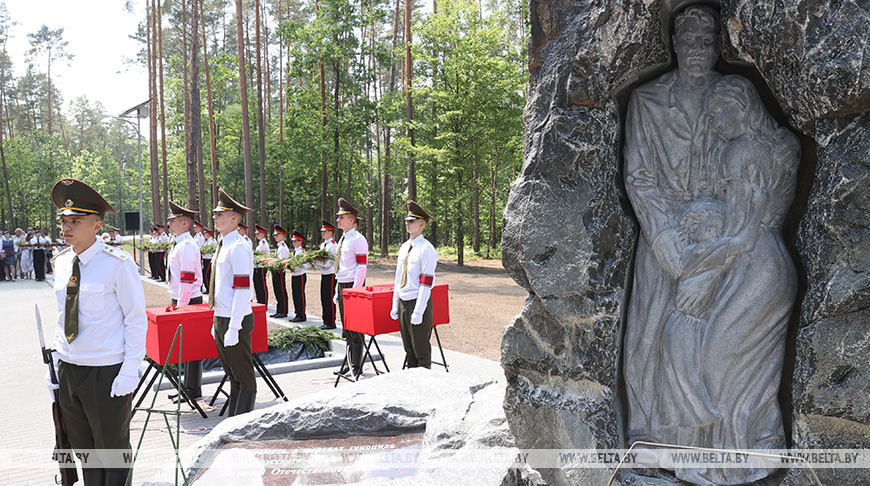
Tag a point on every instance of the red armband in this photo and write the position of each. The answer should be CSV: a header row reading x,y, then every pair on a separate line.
x,y
361,259
241,281
188,277
426,280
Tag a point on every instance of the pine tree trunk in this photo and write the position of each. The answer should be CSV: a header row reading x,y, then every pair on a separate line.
x,y
196,109
460,235
159,37
386,203
152,114
475,238
246,130
491,206
280,102
261,125
409,103
211,127
323,175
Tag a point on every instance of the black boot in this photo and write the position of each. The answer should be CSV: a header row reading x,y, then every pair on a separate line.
x,y
356,357
247,400
117,477
193,379
235,389
93,476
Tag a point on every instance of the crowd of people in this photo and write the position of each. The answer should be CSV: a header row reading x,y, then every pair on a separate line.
x,y
26,254
100,335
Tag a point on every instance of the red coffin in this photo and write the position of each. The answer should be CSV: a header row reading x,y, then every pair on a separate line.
x,y
196,322
367,309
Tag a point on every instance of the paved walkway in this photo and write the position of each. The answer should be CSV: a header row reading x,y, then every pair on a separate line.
x,y
27,424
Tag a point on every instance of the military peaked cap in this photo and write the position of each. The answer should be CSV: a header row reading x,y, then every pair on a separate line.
x,y
278,229
326,226
345,207
415,212
75,198
226,203
176,211
297,235
260,229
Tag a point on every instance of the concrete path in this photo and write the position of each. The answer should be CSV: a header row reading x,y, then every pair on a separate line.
x,y
26,411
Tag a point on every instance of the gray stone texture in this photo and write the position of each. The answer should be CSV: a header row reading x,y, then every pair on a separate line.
x,y
569,232
461,416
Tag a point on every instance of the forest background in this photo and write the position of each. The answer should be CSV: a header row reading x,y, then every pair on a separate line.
x,y
288,105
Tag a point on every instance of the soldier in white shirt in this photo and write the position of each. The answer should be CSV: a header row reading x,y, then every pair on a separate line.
x,y
160,256
279,283
206,257
415,274
327,275
185,281
243,230
350,271
198,237
260,290
114,236
298,279
233,268
39,255
100,338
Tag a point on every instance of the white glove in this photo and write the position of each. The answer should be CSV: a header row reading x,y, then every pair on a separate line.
x,y
231,338
124,385
52,387
335,299
213,334
394,314
416,320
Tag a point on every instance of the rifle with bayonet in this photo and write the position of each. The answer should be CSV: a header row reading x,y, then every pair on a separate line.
x,y
68,475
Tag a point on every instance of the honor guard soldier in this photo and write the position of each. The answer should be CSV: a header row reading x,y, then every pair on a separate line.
x,y
198,237
230,297
100,337
350,271
114,236
327,275
208,234
152,254
279,284
185,281
260,290
415,274
160,257
243,230
298,279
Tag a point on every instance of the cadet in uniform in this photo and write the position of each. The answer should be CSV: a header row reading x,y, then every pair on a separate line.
x,y
185,281
260,289
152,254
415,273
114,236
350,271
243,230
100,338
198,237
279,284
160,255
233,268
206,257
327,275
297,279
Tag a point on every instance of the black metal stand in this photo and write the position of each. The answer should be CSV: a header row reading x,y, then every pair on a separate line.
x,y
441,349
173,378
267,377
349,376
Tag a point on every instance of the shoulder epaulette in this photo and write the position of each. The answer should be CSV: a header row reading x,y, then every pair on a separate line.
x,y
64,251
116,252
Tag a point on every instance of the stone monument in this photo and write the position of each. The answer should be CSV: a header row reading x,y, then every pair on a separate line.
x,y
708,283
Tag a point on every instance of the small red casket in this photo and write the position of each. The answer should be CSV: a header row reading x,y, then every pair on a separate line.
x,y
196,322
367,309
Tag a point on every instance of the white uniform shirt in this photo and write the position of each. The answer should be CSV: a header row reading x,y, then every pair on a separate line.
x,y
185,270
283,251
209,242
112,321
327,267
300,270
117,239
234,269
199,239
163,238
40,240
422,259
353,258
263,247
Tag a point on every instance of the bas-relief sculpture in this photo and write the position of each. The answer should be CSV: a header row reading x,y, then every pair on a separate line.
x,y
710,176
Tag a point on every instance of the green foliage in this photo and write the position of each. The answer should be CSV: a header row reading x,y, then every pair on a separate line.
x,y
314,339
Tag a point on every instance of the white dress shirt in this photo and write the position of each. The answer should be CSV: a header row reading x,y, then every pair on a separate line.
x,y
112,321
263,247
199,239
353,258
282,251
117,239
185,270
327,267
234,269
300,270
209,242
422,259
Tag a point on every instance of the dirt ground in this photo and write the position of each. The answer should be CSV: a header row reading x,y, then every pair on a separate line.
x,y
483,300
